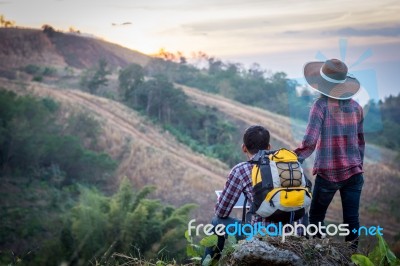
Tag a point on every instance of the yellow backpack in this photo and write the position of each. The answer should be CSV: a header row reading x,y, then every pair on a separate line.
x,y
282,193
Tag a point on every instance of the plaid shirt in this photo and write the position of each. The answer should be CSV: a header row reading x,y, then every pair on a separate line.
x,y
239,180
335,130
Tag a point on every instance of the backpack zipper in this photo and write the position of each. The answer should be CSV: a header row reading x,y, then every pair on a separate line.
x,y
287,189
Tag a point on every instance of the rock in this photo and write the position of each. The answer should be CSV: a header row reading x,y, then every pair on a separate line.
x,y
256,252
318,246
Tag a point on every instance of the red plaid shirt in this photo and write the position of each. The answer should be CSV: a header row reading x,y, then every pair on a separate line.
x,y
335,130
239,180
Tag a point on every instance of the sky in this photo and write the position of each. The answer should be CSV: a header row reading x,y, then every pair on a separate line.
x,y
280,35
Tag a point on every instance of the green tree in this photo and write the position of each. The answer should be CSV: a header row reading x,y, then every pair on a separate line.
x,y
48,30
130,78
382,122
160,99
25,125
41,165
94,78
124,222
201,128
32,142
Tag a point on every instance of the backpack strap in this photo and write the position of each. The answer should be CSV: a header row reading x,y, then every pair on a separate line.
x,y
244,213
262,160
308,184
244,210
266,174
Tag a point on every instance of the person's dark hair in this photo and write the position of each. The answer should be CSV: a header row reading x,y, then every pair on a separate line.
x,y
256,138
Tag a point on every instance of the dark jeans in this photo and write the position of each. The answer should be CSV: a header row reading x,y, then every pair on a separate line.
x,y
215,251
350,192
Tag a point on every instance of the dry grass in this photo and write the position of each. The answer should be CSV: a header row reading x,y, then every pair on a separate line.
x,y
148,155
312,252
21,46
315,251
131,261
17,44
128,54
279,126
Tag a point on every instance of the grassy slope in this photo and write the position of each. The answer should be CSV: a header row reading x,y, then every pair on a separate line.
x,y
147,155
20,47
152,157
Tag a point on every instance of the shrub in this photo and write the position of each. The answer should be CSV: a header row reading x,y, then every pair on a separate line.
x,y
32,69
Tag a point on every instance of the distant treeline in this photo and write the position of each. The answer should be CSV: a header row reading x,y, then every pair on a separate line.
x,y
252,86
384,122
274,92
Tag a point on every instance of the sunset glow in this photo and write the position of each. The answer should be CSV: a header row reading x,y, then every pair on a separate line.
x,y
280,35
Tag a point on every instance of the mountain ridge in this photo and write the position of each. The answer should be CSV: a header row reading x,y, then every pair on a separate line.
x,y
20,47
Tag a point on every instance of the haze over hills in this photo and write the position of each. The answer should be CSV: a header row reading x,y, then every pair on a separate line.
x,y
150,155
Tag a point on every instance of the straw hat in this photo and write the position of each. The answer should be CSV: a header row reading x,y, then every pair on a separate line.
x,y
331,79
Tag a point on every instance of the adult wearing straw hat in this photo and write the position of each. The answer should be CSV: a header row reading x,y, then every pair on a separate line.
x,y
335,131
331,78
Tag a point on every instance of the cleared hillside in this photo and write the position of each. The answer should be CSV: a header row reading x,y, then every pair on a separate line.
x,y
148,156
20,47
284,130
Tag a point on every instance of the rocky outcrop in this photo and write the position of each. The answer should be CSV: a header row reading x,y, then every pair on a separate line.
x,y
293,251
256,252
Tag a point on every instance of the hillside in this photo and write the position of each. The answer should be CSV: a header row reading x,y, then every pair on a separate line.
x,y
150,155
21,47
284,130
